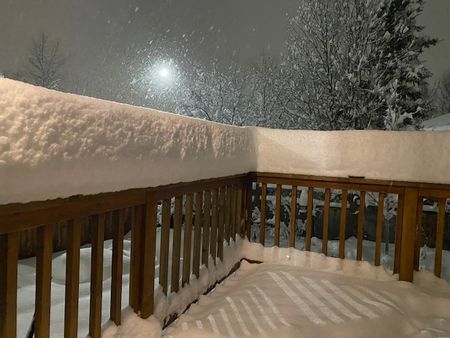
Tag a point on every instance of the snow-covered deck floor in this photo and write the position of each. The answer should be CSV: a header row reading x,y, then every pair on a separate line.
x,y
272,299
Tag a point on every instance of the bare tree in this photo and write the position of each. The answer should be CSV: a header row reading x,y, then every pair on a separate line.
x,y
45,61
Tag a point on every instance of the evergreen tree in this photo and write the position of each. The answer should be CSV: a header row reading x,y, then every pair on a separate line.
x,y
399,75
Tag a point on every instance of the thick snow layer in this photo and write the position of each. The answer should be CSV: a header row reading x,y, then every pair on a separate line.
x,y
299,299
133,326
54,144
401,156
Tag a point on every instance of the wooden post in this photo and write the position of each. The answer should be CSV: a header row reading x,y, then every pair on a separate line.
x,y
9,248
398,233
277,215
43,281
176,251
262,217
408,234
439,237
95,313
361,218
197,233
326,218
137,239
206,228
248,208
187,241
72,279
221,217
117,266
148,259
293,219
164,246
309,219
214,220
379,230
342,224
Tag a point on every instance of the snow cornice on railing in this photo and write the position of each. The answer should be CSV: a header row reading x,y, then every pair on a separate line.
x,y
54,144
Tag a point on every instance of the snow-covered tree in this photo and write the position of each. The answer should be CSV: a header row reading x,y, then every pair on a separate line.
x,y
354,64
45,61
442,95
400,76
267,94
328,46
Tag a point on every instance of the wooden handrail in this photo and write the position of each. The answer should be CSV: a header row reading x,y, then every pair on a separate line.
x,y
213,211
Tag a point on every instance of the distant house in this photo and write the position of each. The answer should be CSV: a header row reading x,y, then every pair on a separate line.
x,y
440,123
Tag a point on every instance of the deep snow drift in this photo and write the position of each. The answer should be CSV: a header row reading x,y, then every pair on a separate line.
x,y
54,144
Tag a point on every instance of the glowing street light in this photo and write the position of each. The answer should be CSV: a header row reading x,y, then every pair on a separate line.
x,y
164,72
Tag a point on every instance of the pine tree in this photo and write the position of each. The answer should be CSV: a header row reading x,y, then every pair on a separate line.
x,y
399,75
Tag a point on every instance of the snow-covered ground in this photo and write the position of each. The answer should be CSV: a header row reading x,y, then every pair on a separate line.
x,y
299,294
54,144
174,303
301,264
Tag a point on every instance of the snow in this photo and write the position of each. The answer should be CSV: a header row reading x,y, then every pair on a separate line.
x,y
131,323
440,123
305,294
401,156
54,145
300,263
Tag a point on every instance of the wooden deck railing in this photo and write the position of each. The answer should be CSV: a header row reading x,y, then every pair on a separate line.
x,y
211,211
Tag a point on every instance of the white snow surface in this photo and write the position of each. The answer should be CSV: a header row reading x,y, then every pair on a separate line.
x,y
301,299
54,144
401,156
419,310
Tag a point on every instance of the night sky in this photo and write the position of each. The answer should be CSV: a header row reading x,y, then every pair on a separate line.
x,y
106,37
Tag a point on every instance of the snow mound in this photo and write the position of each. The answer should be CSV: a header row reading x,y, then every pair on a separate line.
x,y
54,144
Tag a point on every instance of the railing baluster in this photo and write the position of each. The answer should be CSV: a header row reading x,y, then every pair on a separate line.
x,y
148,259
117,266
398,232
233,213
206,228
220,224
176,246
187,241
262,218
293,219
95,313
248,210
277,215
379,230
227,211
43,280
72,279
326,217
418,233
197,233
439,237
214,220
408,234
164,247
361,218
342,225
238,221
309,218
137,239
9,249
